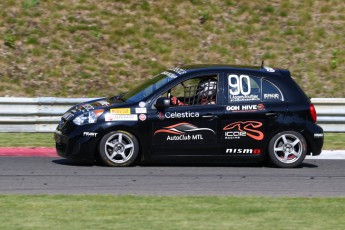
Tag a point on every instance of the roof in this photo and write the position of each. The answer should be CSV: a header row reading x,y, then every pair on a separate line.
x,y
192,68
219,66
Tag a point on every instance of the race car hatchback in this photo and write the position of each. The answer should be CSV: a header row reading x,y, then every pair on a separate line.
x,y
210,113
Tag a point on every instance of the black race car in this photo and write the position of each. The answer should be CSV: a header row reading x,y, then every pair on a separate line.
x,y
196,114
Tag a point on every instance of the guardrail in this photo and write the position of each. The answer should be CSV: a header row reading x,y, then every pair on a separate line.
x,y
330,113
42,114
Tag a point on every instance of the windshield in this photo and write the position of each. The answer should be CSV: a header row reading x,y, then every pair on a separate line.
x,y
147,88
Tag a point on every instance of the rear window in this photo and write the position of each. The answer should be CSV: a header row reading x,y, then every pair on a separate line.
x,y
270,92
245,88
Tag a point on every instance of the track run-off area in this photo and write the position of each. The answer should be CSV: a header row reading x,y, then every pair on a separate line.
x,y
41,171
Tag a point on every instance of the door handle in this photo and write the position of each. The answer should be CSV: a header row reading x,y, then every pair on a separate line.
x,y
270,114
209,116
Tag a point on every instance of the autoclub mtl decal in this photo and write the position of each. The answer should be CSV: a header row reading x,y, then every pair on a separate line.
x,y
183,131
239,129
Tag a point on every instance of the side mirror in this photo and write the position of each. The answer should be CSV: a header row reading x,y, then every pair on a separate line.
x,y
162,103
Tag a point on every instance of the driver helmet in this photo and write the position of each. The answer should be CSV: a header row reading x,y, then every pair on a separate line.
x,y
207,88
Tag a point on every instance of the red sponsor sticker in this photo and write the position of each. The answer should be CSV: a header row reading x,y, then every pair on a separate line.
x,y
161,116
142,117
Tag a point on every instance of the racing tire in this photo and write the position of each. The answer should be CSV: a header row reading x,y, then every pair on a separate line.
x,y
287,149
118,149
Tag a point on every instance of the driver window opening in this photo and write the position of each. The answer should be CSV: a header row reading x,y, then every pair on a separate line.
x,y
196,91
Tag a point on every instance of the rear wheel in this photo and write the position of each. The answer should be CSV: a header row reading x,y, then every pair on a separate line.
x,y
287,149
118,149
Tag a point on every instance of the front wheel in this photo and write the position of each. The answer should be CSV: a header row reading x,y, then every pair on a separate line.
x,y
118,148
287,149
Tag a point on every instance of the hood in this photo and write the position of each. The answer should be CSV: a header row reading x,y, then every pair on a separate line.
x,y
90,105
87,106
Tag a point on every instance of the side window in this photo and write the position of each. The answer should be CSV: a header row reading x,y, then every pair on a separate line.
x,y
243,88
270,92
200,90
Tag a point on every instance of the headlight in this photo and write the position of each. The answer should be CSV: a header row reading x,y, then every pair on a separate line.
x,y
88,117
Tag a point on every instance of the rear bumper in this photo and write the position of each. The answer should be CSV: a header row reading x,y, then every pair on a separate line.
x,y
315,138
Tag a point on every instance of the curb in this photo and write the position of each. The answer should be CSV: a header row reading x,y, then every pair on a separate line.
x,y
329,155
28,152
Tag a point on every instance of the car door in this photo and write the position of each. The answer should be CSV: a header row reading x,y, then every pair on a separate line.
x,y
189,127
249,119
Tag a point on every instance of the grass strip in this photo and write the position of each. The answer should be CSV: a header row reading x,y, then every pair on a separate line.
x,y
26,140
149,212
333,141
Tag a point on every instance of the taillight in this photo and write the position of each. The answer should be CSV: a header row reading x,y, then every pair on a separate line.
x,y
313,112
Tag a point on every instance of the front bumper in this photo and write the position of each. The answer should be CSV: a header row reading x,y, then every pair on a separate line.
x,y
77,148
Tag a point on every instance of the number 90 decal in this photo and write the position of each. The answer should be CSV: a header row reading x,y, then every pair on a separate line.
x,y
239,84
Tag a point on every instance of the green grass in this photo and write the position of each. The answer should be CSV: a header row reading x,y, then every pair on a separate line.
x,y
26,140
147,212
333,141
73,48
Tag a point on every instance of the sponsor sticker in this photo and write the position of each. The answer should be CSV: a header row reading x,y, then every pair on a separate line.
x,y
142,117
269,69
261,107
169,115
243,151
184,132
245,108
67,115
86,107
240,88
161,116
244,98
120,117
318,135
140,110
271,96
103,103
120,111
142,104
89,134
179,70
239,129
168,74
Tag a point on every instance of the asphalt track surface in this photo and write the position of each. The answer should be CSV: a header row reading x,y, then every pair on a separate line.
x,y
53,175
